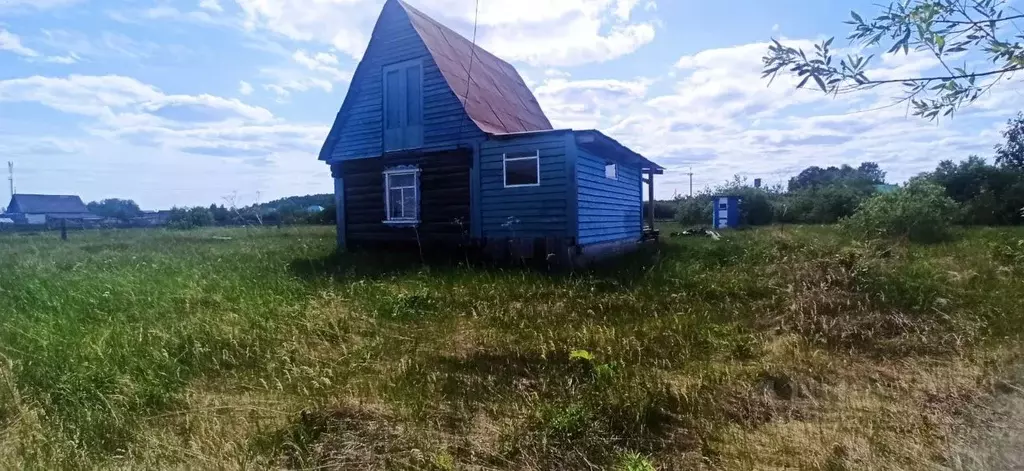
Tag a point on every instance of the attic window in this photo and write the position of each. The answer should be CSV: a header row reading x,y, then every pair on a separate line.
x,y
402,195
522,169
610,171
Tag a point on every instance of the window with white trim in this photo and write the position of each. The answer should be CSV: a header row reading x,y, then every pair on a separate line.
x,y
522,169
402,195
610,171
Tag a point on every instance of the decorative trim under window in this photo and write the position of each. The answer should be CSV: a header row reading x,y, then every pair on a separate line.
x,y
402,195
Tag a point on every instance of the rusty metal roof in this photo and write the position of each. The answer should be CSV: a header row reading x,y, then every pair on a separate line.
x,y
499,101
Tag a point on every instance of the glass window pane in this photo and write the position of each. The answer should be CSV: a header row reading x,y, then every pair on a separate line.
x,y
409,202
405,179
521,172
395,203
609,171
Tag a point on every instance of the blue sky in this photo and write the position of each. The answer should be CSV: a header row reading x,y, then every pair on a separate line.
x,y
187,102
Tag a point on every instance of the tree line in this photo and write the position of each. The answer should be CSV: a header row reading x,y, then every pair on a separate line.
x,y
289,211
983,193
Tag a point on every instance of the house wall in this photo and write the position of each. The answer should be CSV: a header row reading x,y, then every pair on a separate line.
x,y
609,210
358,132
541,211
444,198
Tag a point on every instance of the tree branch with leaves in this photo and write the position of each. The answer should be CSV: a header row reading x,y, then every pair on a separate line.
x,y
950,30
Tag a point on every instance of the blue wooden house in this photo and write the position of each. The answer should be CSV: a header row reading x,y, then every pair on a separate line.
x,y
439,141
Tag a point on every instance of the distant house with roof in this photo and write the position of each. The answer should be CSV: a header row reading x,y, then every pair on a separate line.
x,y
439,141
48,209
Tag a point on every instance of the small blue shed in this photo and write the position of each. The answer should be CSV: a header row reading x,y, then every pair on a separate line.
x,y
726,212
439,141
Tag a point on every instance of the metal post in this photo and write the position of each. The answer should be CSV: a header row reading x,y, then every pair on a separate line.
x,y
650,198
63,229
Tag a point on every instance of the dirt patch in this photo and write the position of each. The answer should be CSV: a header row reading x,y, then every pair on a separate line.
x,y
997,441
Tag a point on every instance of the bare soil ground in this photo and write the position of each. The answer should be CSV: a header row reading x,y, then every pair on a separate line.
x,y
997,442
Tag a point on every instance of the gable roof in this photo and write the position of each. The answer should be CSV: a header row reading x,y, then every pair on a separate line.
x,y
499,102
47,204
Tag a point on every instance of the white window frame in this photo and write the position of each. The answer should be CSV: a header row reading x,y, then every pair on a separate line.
x,y
504,169
614,174
402,171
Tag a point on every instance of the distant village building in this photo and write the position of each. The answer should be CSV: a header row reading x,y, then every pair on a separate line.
x,y
315,209
48,210
153,218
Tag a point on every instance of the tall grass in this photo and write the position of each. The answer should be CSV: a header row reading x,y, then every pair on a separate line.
x,y
262,348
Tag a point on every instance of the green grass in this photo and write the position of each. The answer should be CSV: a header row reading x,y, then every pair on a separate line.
x,y
261,348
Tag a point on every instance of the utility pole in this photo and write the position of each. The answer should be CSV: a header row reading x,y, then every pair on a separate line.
x,y
691,181
10,176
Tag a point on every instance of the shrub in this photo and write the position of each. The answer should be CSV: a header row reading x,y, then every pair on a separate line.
x,y
991,195
919,212
663,210
822,205
694,210
188,218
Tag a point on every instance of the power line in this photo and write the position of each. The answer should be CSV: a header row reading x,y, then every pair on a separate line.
x,y
469,71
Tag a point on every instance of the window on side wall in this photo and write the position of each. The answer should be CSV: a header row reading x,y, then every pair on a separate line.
x,y
402,195
610,171
522,169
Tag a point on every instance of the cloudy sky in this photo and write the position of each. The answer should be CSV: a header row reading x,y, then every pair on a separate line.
x,y
184,102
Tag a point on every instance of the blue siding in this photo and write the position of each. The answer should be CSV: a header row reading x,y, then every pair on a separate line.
x,y
358,131
609,210
542,211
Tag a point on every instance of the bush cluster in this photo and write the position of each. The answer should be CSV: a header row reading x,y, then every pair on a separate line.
x,y
918,212
971,192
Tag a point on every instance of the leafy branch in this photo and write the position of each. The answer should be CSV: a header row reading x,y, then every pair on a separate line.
x,y
947,29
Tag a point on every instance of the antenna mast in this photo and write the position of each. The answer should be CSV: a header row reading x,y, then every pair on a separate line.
x,y
10,176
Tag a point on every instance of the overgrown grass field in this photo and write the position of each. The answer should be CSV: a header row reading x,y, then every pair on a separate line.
x,y
249,348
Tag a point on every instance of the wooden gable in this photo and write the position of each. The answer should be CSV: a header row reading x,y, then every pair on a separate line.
x,y
396,49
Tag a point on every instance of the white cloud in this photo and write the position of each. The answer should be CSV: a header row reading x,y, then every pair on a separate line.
x,y
212,5
19,5
71,58
579,42
583,104
209,106
555,73
322,62
284,88
715,112
39,146
80,94
11,42
125,109
541,32
105,45
317,71
245,88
